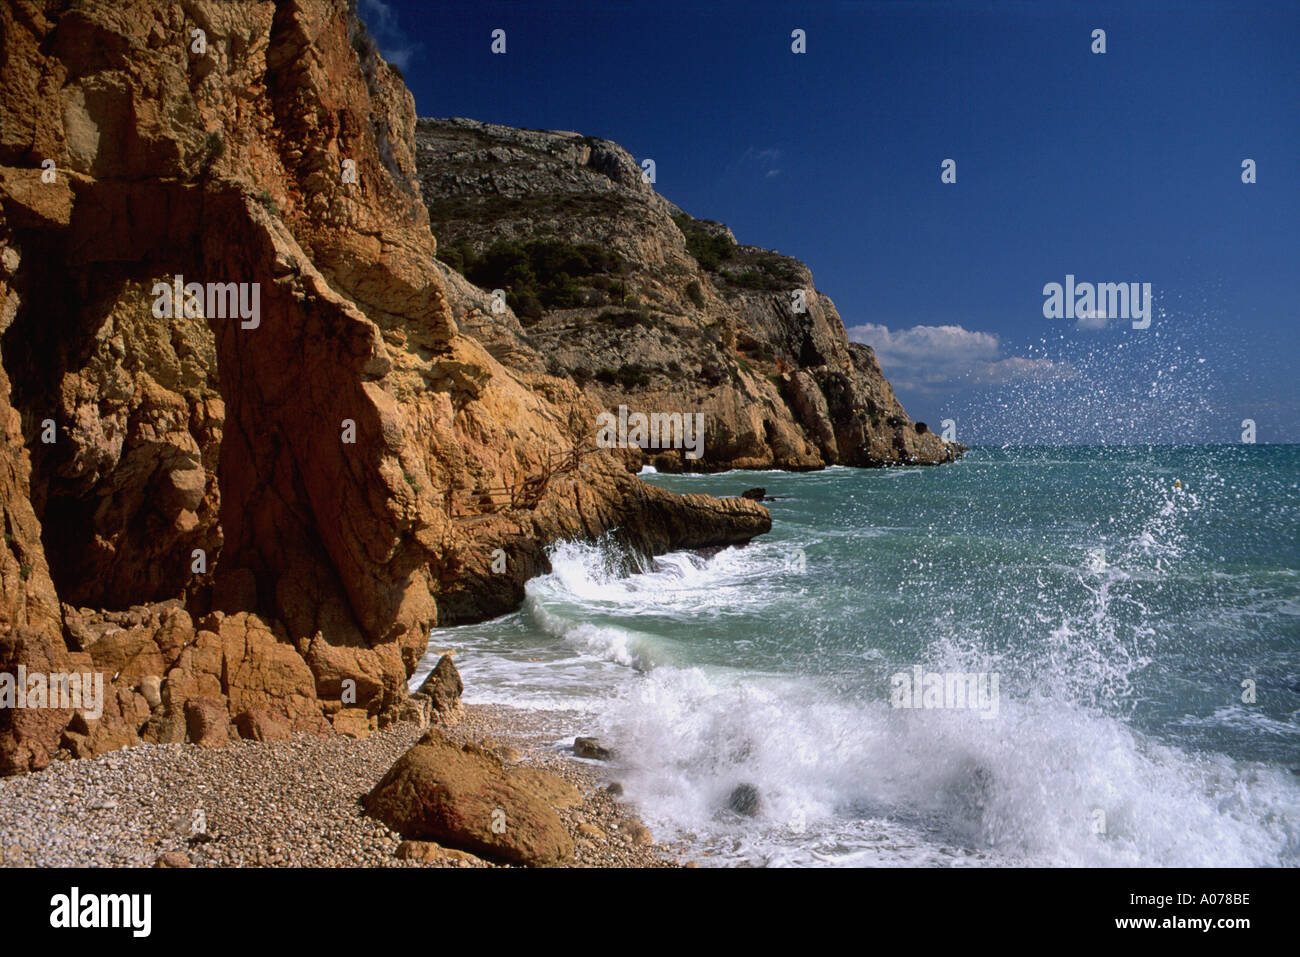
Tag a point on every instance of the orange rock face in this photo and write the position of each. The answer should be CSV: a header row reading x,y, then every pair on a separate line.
x,y
254,497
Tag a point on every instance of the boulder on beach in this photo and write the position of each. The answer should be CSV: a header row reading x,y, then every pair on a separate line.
x,y
462,796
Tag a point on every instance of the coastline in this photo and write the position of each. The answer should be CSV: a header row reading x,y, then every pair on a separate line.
x,y
294,803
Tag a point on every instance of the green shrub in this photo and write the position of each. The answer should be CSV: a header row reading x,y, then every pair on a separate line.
x,y
767,276
695,294
708,248
634,376
630,376
626,318
537,275
526,306
458,255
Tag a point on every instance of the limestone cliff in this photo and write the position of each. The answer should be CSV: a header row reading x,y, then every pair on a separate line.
x,y
259,514
646,307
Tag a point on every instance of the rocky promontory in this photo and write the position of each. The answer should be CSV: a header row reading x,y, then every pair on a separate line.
x,y
609,284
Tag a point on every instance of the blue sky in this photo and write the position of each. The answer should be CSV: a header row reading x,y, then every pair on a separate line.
x,y
1117,167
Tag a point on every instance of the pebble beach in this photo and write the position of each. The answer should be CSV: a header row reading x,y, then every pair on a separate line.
x,y
287,804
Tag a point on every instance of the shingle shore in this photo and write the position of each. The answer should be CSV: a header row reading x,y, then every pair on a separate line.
x,y
285,804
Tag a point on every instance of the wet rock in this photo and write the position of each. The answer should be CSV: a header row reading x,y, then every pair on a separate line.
x,y
745,799
592,749
754,494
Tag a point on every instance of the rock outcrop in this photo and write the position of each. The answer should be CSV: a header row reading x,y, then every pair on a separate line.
x,y
244,503
646,307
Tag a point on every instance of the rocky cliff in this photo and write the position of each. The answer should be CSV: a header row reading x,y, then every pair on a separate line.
x,y
610,284
252,502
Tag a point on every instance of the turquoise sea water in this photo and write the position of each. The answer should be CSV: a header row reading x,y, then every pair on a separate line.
x,y
1125,599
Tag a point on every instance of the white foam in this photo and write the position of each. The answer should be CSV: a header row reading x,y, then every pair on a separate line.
x,y
883,785
1058,777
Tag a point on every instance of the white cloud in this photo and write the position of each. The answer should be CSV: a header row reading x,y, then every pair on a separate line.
x,y
936,358
381,23
766,161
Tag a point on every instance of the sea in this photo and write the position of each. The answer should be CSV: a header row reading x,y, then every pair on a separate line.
x,y
1078,656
